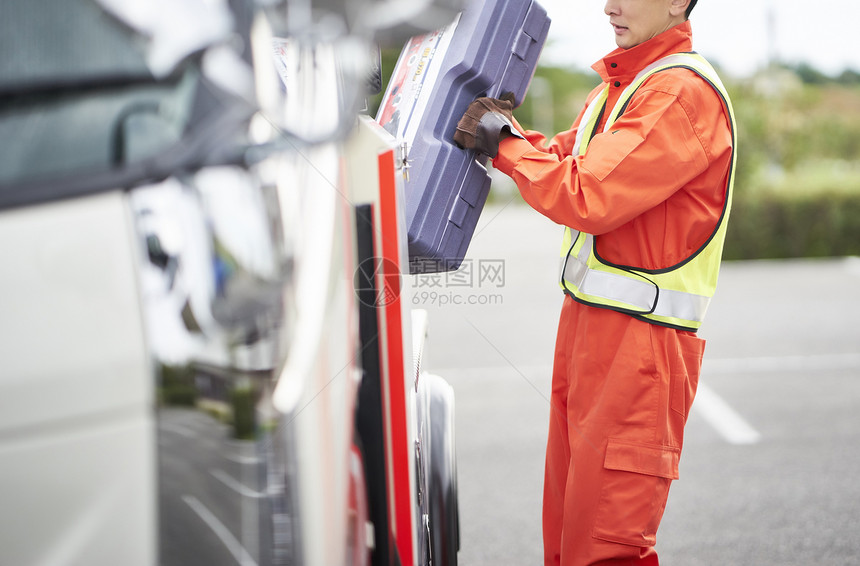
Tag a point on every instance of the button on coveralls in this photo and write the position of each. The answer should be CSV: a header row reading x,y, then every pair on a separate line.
x,y
651,190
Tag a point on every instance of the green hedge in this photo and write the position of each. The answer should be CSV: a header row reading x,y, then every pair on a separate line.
x,y
177,386
242,400
769,226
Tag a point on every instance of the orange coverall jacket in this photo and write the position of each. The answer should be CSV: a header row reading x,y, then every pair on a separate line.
x,y
651,189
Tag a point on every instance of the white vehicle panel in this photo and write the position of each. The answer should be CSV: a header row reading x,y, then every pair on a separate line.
x,y
77,459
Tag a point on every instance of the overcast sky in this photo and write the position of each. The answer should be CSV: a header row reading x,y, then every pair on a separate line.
x,y
736,34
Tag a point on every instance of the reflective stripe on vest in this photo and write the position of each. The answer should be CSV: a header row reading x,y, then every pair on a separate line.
x,y
677,296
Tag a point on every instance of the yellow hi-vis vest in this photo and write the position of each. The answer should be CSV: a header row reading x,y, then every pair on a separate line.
x,y
677,296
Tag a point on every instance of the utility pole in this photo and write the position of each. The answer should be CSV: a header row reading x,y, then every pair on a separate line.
x,y
772,50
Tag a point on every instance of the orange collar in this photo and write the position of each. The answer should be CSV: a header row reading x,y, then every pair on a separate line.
x,y
625,63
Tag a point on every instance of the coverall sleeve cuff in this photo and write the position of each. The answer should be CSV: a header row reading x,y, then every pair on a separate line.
x,y
511,149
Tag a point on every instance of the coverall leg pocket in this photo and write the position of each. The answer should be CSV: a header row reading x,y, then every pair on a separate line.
x,y
685,371
634,490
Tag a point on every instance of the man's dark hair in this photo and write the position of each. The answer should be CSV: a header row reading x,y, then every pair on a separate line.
x,y
690,8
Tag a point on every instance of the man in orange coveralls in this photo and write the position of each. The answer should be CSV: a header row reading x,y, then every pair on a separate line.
x,y
642,182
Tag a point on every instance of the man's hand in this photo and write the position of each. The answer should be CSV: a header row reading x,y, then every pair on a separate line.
x,y
486,121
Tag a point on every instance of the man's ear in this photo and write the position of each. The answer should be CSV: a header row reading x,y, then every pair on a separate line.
x,y
678,7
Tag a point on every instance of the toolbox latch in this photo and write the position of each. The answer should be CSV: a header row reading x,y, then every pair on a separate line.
x,y
403,160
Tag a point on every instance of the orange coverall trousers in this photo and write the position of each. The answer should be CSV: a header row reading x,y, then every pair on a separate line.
x,y
621,393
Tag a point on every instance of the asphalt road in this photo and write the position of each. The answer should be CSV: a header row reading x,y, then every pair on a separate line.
x,y
209,492
769,470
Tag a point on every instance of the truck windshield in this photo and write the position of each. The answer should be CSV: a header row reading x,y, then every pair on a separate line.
x,y
77,99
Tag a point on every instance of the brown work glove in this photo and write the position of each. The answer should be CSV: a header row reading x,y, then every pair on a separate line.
x,y
485,119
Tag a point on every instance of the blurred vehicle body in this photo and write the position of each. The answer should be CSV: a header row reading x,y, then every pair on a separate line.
x,y
208,355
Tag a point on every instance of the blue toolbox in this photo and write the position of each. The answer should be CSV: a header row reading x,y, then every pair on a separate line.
x,y
491,48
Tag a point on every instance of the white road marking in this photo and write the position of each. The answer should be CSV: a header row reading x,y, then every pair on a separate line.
x,y
246,460
223,533
728,423
725,420
239,488
710,366
817,362
852,264
177,429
